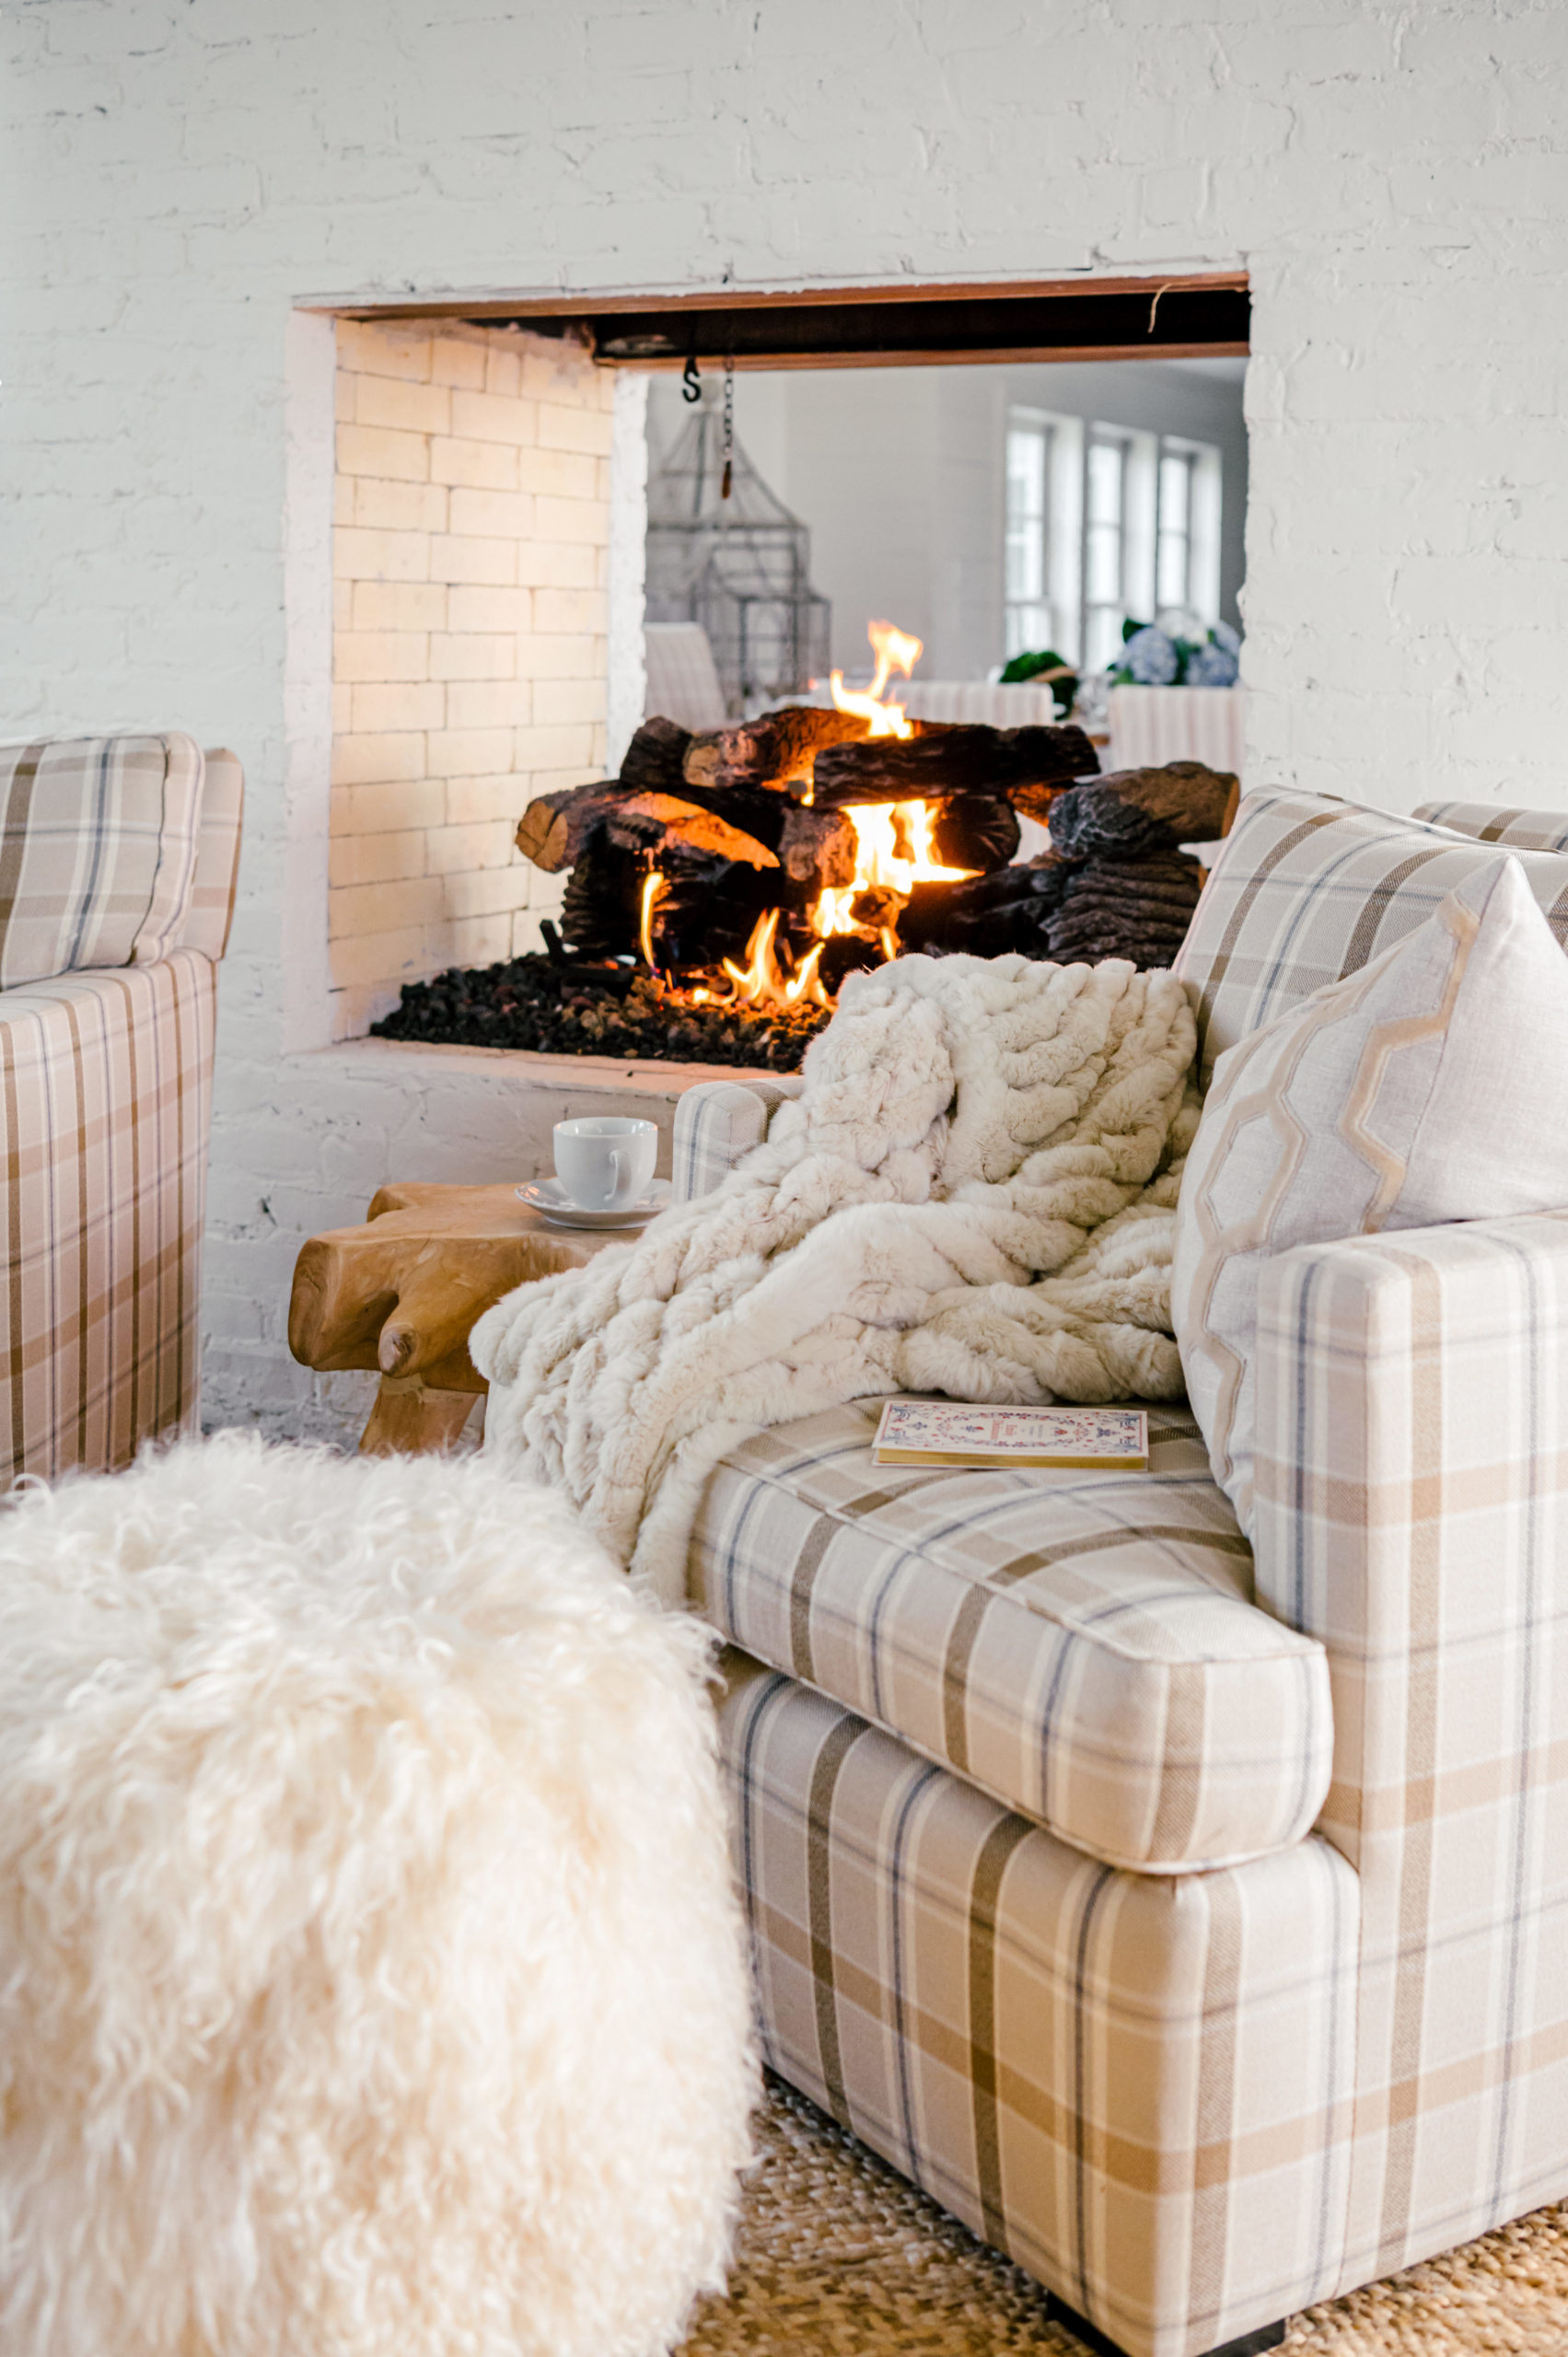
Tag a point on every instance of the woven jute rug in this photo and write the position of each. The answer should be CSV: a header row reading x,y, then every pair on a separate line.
x,y
837,2257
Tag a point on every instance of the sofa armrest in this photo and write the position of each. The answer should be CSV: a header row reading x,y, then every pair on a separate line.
x,y
1510,828
1413,1509
210,911
716,1123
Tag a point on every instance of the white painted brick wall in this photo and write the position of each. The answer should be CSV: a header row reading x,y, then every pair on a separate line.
x,y
468,642
181,174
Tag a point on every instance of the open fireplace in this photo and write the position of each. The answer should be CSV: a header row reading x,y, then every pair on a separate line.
x,y
722,886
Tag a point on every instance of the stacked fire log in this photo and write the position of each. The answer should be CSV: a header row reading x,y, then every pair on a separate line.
x,y
702,835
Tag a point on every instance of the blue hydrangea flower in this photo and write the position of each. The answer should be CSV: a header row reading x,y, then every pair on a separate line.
x,y
1212,666
1223,636
1150,659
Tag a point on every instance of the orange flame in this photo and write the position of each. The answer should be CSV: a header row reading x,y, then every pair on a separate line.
x,y
893,847
896,650
652,892
760,983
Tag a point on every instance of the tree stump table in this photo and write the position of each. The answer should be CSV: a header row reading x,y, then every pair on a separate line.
x,y
400,1295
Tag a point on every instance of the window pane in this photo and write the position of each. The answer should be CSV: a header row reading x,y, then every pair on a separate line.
x,y
1026,564
1176,484
1103,638
1026,475
1103,565
1171,585
1104,482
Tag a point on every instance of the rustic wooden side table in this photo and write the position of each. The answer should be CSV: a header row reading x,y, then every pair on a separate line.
x,y
400,1295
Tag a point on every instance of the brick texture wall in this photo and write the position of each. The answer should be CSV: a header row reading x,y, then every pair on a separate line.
x,y
469,555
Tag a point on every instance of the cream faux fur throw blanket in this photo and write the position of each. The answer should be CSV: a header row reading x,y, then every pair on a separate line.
x,y
973,1195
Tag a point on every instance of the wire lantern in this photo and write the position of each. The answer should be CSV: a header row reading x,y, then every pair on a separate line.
x,y
740,566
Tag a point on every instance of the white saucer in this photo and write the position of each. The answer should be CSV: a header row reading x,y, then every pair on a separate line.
x,y
549,1199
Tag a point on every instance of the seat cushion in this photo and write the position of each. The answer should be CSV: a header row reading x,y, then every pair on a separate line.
x,y
1308,889
1081,1646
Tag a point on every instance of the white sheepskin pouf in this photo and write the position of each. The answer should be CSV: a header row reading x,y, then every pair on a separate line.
x,y
371,1981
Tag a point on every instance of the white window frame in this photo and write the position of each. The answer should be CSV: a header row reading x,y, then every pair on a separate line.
x,y
1077,630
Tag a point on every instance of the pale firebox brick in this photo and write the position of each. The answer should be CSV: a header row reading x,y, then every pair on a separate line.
x,y
473,655
485,466
471,801
413,409
380,654
391,956
575,429
379,907
547,564
468,752
399,507
381,556
557,700
377,351
379,761
562,474
409,704
388,809
380,451
345,398
484,892
570,656
454,360
343,605
553,748
342,707
489,703
570,609
377,859
399,605
486,843
482,417
453,558
502,372
498,515
571,520
490,609
343,487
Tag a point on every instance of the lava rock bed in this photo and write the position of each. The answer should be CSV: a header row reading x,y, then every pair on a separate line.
x,y
595,1011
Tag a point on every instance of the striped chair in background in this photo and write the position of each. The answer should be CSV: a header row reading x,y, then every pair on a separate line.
x,y
1191,1917
118,857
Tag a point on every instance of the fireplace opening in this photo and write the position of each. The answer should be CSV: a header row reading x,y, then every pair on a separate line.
x,y
1038,534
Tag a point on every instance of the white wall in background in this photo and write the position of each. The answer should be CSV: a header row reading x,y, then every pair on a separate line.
x,y
180,175
899,475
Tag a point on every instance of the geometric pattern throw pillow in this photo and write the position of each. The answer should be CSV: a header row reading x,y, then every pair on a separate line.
x,y
1430,1086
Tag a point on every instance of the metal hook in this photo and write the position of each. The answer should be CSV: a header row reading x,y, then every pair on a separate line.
x,y
691,383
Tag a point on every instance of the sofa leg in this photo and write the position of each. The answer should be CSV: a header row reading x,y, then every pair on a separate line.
x,y
1246,2344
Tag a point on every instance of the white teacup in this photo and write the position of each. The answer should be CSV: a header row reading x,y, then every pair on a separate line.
x,y
606,1164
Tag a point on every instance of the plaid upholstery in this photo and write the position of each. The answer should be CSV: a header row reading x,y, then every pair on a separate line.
x,y
105,1082
1307,890
1139,2087
717,1121
1515,830
1081,1645
98,849
1413,1514
210,911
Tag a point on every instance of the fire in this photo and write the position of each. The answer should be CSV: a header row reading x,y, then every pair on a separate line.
x,y
896,650
652,893
893,844
761,980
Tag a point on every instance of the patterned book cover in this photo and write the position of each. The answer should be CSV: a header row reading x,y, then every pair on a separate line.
x,y
947,1432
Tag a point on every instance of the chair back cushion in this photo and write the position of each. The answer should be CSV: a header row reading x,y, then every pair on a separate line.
x,y
1516,830
1308,889
211,909
1430,1086
98,851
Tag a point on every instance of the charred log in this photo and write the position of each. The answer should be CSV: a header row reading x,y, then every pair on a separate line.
x,y
814,847
778,748
987,914
966,760
1136,909
975,830
654,756
1132,814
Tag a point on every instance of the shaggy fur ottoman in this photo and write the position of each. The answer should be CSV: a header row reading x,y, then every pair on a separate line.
x,y
371,1983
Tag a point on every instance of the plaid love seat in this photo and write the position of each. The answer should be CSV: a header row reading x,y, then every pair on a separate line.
x,y
1200,2022
118,858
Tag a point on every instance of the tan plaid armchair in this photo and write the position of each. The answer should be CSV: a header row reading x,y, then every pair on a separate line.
x,y
117,871
1191,1917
